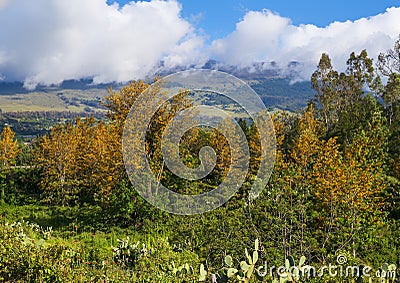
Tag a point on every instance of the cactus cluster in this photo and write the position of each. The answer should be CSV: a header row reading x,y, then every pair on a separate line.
x,y
243,271
183,271
128,253
25,228
246,267
386,273
292,271
246,270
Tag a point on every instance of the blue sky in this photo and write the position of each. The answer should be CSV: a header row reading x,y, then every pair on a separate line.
x,y
219,17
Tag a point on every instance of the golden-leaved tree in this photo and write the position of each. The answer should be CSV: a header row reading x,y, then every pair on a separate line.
x,y
79,162
83,162
119,103
8,153
322,190
283,211
57,155
348,186
8,148
102,163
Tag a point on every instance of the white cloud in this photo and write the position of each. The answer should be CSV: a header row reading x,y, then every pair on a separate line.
x,y
265,36
48,41
3,3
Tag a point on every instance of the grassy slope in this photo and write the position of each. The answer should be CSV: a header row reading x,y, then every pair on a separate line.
x,y
275,93
52,100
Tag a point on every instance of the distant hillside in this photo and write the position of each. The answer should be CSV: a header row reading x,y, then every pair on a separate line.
x,y
21,108
32,123
82,96
281,93
273,84
73,100
83,84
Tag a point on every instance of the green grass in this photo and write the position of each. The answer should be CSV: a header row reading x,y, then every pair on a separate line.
x,y
51,100
77,250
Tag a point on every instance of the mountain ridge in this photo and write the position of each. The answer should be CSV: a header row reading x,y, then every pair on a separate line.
x,y
277,89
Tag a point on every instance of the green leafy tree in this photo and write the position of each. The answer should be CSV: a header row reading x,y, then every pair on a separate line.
x,y
324,81
389,66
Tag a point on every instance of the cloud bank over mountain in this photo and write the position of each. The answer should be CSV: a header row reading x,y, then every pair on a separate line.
x,y
48,41
265,36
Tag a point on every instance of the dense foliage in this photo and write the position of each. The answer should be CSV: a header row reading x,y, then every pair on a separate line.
x,y
334,192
